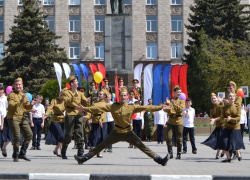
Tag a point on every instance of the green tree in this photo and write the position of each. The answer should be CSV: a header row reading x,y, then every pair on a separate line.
x,y
30,50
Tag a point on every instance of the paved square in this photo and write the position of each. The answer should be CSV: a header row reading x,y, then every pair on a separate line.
x,y
129,161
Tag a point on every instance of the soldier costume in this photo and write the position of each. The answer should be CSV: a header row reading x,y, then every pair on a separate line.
x,y
106,86
93,93
122,114
137,90
149,124
47,121
73,118
120,85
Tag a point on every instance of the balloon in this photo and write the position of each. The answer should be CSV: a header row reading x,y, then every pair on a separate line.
x,y
67,86
241,94
98,77
9,89
239,90
113,96
29,97
183,96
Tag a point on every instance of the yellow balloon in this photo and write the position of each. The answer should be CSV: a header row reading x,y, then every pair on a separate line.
x,y
239,90
98,77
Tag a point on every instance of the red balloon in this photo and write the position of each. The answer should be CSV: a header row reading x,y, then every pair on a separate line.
x,y
67,86
241,94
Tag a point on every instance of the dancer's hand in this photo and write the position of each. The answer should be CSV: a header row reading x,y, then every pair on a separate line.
x,y
1,127
33,102
42,124
80,108
101,125
166,107
23,97
167,100
225,101
142,127
228,118
212,121
172,101
32,124
84,118
88,99
89,121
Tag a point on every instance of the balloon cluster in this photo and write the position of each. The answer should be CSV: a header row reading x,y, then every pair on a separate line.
x,y
240,93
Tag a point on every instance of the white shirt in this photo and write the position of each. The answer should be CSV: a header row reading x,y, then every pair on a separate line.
x,y
206,115
0,118
243,117
3,105
248,108
40,111
160,117
139,116
109,116
188,118
131,102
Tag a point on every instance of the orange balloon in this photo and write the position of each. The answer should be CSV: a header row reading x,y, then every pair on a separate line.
x,y
241,94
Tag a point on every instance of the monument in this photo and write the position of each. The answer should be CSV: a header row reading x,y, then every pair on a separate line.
x,y
118,35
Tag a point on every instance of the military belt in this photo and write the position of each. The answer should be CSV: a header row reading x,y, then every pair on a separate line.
x,y
122,127
58,114
70,107
175,115
97,114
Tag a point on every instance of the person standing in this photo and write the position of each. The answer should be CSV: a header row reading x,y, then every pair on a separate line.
x,y
56,130
120,84
37,123
73,118
106,86
122,114
149,122
160,121
175,122
18,103
243,120
93,92
131,99
188,124
47,121
137,90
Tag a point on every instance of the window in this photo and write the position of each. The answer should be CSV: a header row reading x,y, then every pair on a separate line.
x,y
99,23
20,3
1,24
100,2
151,2
99,50
152,51
1,51
48,2
74,49
176,23
74,23
74,2
176,50
151,23
50,21
1,2
127,2
176,2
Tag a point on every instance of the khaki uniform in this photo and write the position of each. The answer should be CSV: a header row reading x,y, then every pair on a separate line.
x,y
122,114
235,112
109,89
16,109
73,118
215,112
58,107
149,124
175,121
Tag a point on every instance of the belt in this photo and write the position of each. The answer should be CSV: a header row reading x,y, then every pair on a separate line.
x,y
70,107
97,114
122,127
58,114
175,115
37,118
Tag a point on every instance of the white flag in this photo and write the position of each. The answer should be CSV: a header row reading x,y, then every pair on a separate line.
x,y
58,71
137,73
148,82
66,69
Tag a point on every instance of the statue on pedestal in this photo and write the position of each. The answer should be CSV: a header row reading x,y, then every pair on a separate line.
x,y
114,7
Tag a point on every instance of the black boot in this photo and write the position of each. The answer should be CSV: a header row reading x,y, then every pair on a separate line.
x,y
147,138
160,160
15,155
22,154
80,151
178,153
63,152
234,155
150,137
170,151
86,142
84,158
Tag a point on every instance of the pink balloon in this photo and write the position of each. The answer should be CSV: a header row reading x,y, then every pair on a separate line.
x,y
9,89
183,96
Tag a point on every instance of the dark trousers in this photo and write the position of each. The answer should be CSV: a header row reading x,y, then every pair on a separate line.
x,y
1,142
189,131
110,129
160,133
37,131
242,127
129,137
137,127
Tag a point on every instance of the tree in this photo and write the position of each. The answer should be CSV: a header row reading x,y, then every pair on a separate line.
x,y
30,50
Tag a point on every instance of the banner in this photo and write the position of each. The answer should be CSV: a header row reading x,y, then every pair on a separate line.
x,y
116,89
137,73
148,83
93,70
58,71
102,70
174,78
183,79
157,88
78,72
85,72
66,69
165,82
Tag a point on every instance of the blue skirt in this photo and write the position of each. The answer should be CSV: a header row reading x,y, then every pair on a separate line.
x,y
97,134
56,134
213,140
6,133
231,140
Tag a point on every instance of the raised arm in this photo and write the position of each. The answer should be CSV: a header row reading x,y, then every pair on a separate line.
x,y
50,108
149,108
97,109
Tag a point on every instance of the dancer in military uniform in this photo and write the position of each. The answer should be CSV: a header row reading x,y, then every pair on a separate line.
x,y
137,90
175,122
149,123
18,103
122,114
93,92
106,86
47,120
73,118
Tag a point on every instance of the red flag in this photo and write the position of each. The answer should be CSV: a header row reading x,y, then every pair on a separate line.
x,y
116,89
183,79
174,78
102,70
94,70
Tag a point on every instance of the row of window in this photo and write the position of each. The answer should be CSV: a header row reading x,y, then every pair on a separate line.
x,y
98,2
152,50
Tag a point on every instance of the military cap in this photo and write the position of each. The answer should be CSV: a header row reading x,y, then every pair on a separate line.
x,y
231,82
70,79
135,81
80,88
92,83
47,104
46,99
105,91
121,79
149,99
123,90
213,94
106,80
